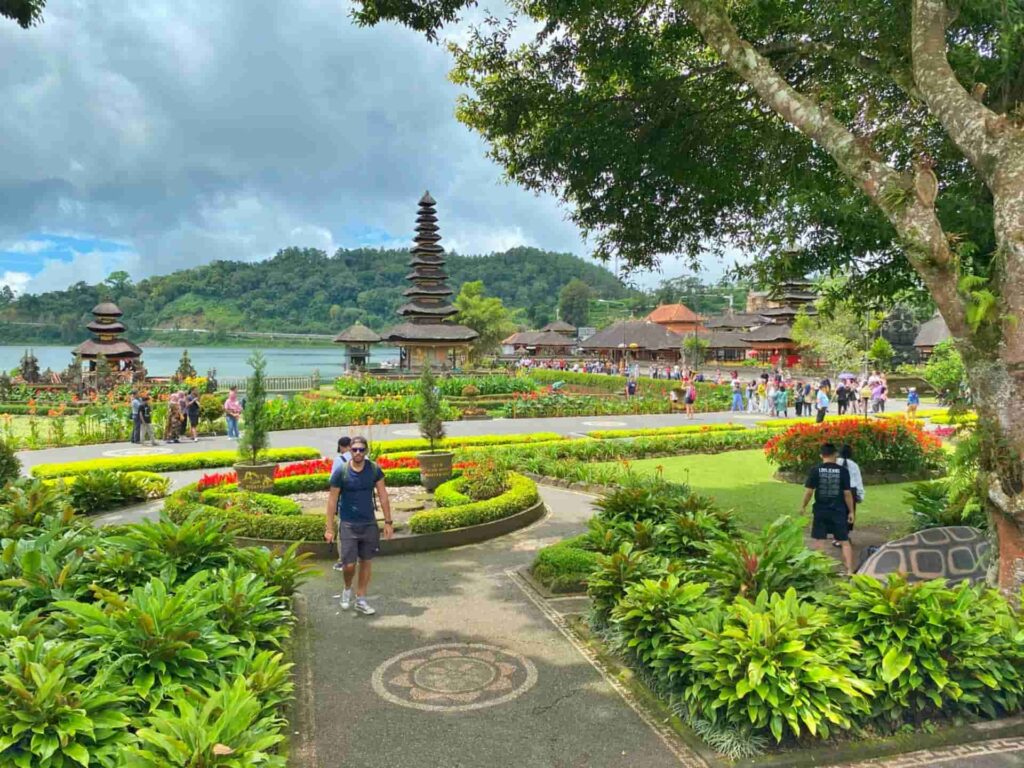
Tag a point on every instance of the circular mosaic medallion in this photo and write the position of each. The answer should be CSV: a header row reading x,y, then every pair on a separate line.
x,y
407,432
140,451
454,677
605,423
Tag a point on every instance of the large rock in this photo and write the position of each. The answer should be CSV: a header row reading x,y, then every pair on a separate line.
x,y
955,553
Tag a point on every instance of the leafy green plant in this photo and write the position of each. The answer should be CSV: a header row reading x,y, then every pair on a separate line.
x,y
178,551
267,676
59,707
933,504
643,498
429,412
931,649
686,535
10,467
286,570
614,573
27,505
644,613
483,480
255,440
159,640
35,571
252,502
246,607
227,729
776,664
774,560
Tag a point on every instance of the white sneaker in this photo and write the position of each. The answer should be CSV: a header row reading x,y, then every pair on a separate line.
x,y
346,599
363,607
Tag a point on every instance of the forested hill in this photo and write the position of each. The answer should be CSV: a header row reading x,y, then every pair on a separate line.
x,y
300,290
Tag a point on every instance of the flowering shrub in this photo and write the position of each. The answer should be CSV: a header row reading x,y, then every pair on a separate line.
x,y
878,446
313,467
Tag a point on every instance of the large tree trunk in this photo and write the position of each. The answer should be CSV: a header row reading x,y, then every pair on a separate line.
x,y
996,148
995,356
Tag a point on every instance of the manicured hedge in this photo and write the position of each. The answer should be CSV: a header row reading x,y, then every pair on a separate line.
x,y
255,503
467,453
566,566
172,463
961,418
417,444
450,494
282,527
883,446
521,495
682,429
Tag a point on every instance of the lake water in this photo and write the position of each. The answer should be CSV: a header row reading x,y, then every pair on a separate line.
x,y
228,361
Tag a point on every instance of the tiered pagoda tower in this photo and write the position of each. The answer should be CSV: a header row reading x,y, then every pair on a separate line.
x,y
425,338
107,329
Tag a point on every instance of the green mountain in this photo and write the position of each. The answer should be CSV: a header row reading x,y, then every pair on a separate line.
x,y
300,290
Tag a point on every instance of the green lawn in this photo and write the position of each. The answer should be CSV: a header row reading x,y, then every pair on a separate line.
x,y
742,481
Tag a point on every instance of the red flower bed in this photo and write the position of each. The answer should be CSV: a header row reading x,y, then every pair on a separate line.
x,y
889,445
314,467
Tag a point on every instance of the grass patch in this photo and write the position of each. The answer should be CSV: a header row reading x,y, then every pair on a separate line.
x,y
742,481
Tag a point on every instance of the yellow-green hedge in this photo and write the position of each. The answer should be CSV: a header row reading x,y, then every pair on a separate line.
x,y
467,452
683,429
521,495
171,463
391,447
968,417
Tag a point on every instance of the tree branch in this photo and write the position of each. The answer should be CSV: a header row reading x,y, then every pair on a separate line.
x,y
974,128
907,203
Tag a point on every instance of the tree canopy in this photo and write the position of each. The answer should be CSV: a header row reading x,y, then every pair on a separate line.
x,y
486,315
25,13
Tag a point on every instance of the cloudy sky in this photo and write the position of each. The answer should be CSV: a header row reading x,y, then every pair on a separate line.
x,y
160,134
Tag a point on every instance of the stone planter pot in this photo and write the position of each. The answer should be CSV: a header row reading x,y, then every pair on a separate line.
x,y
256,477
435,468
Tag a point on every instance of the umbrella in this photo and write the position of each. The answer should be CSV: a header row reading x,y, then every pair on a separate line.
x,y
847,376
956,553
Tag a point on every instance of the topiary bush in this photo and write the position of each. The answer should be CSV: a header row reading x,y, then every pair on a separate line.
x,y
879,446
171,463
520,496
566,566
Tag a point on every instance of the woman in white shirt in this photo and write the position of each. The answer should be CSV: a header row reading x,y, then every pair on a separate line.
x,y
856,481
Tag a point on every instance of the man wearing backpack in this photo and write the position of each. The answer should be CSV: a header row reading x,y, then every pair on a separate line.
x,y
352,487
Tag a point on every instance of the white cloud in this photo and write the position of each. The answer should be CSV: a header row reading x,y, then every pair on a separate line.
x,y
90,267
29,246
16,280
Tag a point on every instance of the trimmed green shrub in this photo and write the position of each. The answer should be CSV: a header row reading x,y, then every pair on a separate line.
x,y
493,384
252,503
931,649
171,463
390,447
682,429
644,614
773,664
102,490
449,493
566,566
521,495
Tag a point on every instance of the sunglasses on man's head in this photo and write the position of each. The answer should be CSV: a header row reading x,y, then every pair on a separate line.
x,y
357,450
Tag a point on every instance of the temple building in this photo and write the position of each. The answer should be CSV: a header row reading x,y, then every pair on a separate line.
x,y
357,339
107,328
425,338
677,318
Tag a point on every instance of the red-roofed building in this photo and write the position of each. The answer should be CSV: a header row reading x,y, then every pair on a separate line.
x,y
677,318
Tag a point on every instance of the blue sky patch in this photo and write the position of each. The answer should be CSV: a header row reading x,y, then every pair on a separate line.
x,y
30,254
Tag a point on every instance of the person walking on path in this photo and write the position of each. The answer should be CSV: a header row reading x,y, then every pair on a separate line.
x,y
172,429
782,401
822,405
737,394
913,400
136,424
829,484
351,499
145,422
344,454
856,480
690,398
842,398
232,411
192,411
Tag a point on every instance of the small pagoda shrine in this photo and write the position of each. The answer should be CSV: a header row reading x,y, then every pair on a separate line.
x,y
425,338
106,349
357,339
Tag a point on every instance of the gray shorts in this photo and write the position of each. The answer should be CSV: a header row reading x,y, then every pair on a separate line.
x,y
358,542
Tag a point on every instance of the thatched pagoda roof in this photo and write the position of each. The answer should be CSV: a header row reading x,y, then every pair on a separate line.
x,y
357,333
427,332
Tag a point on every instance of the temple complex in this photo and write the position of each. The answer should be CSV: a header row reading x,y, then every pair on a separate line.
x,y
425,338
